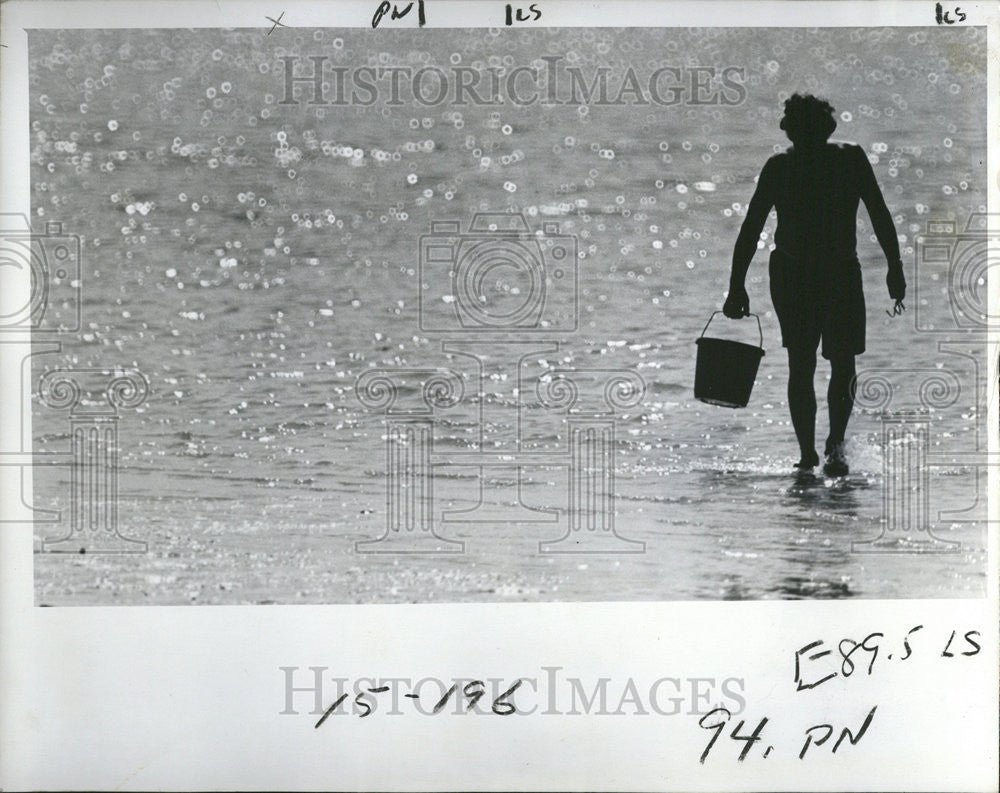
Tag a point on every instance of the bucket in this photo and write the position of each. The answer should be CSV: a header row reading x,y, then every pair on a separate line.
x,y
725,370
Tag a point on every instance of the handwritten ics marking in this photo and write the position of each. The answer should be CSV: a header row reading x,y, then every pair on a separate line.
x,y
871,644
394,11
472,691
943,17
824,731
277,22
533,14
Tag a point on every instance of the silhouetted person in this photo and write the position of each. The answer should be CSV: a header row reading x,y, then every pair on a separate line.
x,y
815,276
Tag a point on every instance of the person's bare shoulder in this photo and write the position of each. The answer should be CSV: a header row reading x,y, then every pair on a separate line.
x,y
851,155
776,162
847,148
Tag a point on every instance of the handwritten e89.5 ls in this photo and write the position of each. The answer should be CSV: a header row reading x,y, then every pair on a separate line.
x,y
957,644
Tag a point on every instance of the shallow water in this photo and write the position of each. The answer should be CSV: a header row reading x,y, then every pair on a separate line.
x,y
253,259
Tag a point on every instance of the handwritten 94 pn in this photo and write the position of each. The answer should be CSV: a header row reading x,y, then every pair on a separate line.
x,y
817,735
818,662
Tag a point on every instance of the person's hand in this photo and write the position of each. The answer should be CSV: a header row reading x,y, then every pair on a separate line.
x,y
896,281
737,303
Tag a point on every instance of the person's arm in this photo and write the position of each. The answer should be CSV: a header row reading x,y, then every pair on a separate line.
x,y
885,229
737,301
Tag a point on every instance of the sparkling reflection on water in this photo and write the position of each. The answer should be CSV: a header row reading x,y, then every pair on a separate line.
x,y
253,259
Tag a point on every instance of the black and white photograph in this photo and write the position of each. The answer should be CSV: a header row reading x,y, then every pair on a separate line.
x,y
437,395
454,318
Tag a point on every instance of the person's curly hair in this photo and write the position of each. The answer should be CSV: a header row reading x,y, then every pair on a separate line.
x,y
808,120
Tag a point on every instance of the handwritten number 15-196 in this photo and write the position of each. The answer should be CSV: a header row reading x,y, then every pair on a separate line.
x,y
366,701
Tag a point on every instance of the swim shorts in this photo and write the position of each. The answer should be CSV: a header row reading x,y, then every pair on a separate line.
x,y
816,299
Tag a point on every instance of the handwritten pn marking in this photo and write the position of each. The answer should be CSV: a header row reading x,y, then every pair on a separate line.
x,y
277,23
385,7
846,733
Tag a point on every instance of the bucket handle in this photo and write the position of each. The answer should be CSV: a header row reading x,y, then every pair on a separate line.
x,y
755,316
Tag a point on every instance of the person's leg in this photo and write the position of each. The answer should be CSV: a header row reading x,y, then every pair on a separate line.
x,y
840,399
802,401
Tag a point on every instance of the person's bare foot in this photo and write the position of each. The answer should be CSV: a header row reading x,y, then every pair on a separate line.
x,y
808,462
836,463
